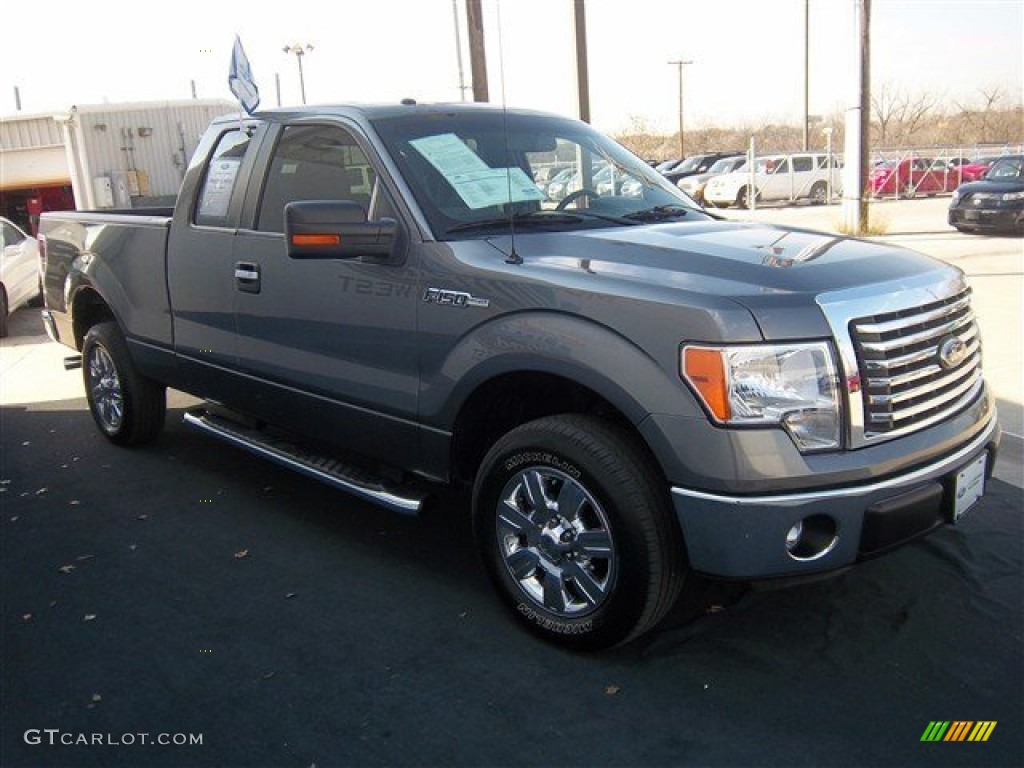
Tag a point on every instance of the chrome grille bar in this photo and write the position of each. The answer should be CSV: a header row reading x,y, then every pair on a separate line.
x,y
967,387
916,392
928,353
925,317
909,340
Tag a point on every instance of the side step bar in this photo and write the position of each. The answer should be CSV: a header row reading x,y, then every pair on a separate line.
x,y
408,501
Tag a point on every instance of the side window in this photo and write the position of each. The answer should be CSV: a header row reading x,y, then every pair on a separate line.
x,y
314,162
803,164
221,180
9,235
781,166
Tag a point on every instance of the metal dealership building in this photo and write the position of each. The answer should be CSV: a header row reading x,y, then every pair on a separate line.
x,y
99,156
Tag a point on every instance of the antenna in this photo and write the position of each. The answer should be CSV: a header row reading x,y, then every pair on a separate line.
x,y
513,257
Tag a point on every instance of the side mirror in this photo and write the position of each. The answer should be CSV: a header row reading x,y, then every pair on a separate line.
x,y
335,229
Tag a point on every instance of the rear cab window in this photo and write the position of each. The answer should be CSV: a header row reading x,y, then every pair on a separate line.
x,y
221,183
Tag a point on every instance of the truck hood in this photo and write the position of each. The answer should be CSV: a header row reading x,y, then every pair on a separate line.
x,y
775,272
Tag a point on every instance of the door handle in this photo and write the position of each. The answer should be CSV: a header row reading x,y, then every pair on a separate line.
x,y
247,276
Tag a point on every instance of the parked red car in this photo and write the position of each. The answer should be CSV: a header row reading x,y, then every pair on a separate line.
x,y
914,176
977,168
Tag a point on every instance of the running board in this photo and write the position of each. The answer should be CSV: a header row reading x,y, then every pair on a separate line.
x,y
362,483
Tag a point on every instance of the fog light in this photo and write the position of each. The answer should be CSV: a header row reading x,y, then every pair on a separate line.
x,y
812,538
793,537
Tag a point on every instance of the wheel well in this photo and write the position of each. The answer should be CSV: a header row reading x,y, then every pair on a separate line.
x,y
504,403
88,310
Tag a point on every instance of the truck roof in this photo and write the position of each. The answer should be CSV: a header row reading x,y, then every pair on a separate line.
x,y
373,111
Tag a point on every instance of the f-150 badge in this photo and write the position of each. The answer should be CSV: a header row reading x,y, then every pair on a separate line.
x,y
453,298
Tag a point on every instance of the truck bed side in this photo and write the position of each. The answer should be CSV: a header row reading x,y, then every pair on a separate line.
x,y
117,259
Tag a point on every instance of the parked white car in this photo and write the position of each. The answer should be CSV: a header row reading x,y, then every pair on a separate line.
x,y
19,270
792,177
694,185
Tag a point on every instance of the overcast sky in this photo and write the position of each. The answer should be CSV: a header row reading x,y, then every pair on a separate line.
x,y
747,54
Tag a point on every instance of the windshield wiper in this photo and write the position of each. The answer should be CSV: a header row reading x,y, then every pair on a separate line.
x,y
662,213
536,218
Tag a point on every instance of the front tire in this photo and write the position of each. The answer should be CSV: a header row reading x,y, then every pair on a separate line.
x,y
128,408
743,197
577,533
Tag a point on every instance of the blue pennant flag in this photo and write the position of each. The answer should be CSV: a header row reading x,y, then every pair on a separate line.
x,y
241,81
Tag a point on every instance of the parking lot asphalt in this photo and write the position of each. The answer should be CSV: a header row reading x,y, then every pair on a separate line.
x,y
188,590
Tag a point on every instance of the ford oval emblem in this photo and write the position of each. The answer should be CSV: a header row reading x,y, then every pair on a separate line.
x,y
952,352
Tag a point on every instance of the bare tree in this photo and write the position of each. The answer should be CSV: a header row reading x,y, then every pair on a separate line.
x,y
898,115
885,106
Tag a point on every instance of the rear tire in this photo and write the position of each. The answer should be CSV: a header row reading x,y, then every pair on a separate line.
x,y
128,408
818,193
4,330
577,533
37,300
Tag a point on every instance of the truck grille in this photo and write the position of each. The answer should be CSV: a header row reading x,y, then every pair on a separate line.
x,y
913,368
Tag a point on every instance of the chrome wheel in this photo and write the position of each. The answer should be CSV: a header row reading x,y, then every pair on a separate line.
x,y
105,386
555,541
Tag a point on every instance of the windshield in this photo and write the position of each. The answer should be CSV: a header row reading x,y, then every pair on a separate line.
x,y
472,173
691,163
724,165
1007,168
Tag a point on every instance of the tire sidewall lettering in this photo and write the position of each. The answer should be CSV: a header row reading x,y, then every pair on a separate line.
x,y
541,458
581,627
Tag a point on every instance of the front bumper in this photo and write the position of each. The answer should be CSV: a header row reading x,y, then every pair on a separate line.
x,y
996,219
744,537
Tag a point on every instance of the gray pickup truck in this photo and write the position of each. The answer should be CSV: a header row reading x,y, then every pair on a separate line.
x,y
383,298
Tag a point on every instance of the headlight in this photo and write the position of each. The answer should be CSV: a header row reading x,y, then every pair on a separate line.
x,y
1010,197
793,386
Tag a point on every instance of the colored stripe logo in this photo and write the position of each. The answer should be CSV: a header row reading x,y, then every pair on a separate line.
x,y
958,730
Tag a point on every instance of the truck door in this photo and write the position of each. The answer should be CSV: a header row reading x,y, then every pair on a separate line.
x,y
199,265
327,345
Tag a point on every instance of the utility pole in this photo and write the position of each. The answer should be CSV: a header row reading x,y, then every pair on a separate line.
x,y
582,68
807,73
682,142
865,108
858,131
458,50
477,55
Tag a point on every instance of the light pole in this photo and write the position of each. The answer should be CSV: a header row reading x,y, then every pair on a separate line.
x,y
682,144
300,50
